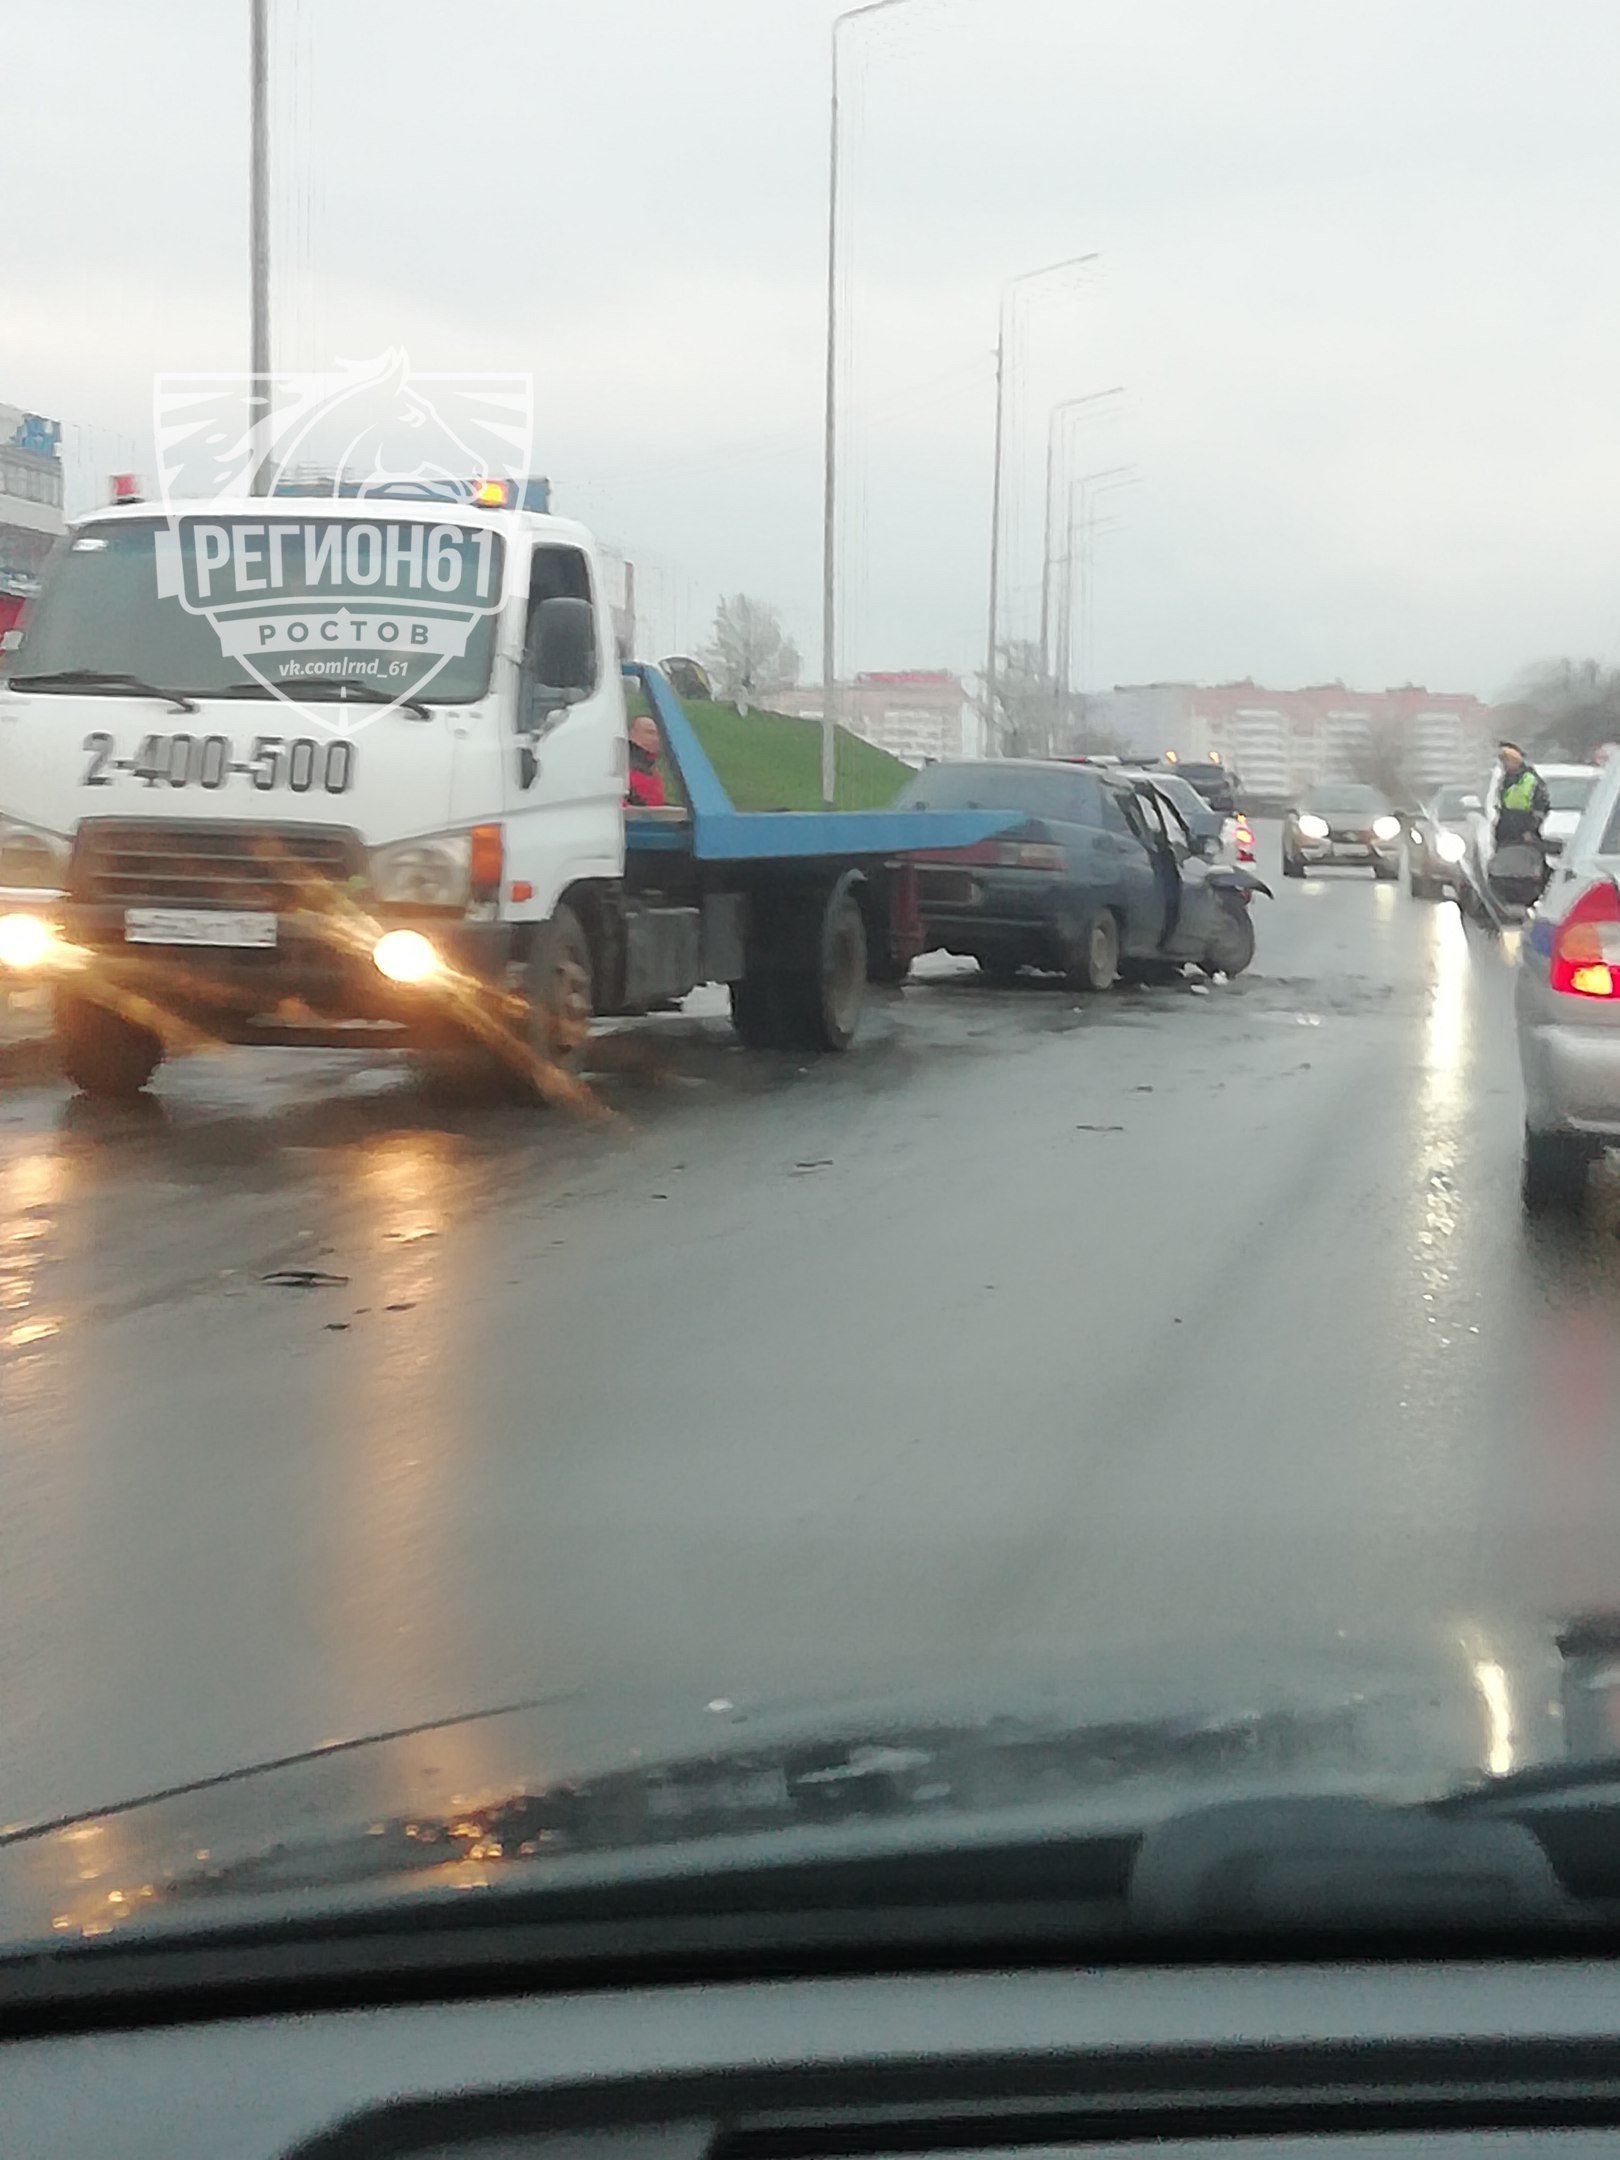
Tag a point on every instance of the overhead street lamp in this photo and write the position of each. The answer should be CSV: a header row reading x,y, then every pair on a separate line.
x,y
1009,292
829,509
1104,481
1060,414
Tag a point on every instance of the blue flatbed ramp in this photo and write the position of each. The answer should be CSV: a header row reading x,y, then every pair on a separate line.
x,y
716,831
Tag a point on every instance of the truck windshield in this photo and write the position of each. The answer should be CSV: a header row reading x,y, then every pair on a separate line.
x,y
229,605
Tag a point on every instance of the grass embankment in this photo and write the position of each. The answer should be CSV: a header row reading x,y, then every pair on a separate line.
x,y
769,761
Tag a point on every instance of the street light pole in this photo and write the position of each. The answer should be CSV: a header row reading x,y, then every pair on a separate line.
x,y
1008,291
829,492
1103,481
1059,413
259,241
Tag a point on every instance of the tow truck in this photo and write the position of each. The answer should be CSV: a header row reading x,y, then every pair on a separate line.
x,y
351,772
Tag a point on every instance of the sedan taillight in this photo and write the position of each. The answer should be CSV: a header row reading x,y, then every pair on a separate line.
x,y
1586,945
1029,855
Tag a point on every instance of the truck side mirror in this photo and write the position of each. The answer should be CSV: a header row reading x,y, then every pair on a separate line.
x,y
560,665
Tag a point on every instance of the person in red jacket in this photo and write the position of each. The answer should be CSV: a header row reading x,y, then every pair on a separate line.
x,y
646,786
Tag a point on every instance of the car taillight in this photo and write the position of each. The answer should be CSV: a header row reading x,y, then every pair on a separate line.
x,y
1586,945
1029,855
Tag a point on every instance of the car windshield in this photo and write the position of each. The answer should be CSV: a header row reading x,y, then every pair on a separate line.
x,y
1569,791
762,1100
230,604
1349,801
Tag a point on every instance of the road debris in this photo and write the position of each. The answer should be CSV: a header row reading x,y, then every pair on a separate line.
x,y
304,1278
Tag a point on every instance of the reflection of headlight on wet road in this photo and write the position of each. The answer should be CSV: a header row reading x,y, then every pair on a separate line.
x,y
404,956
26,942
1450,846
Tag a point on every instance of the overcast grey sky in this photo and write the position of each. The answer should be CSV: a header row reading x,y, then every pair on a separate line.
x,y
1357,273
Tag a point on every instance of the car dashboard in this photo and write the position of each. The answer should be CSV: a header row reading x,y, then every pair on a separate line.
x,y
1383,2059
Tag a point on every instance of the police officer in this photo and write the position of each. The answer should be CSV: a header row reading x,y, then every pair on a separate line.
x,y
1522,801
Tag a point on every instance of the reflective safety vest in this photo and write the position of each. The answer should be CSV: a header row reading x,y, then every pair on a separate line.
x,y
1519,793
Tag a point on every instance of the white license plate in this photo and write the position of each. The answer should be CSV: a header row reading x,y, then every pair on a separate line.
x,y
197,926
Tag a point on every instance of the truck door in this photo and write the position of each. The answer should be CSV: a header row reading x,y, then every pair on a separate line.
x,y
564,744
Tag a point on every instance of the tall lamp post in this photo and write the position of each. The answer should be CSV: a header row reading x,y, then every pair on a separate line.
x,y
1060,413
1009,292
829,505
1081,489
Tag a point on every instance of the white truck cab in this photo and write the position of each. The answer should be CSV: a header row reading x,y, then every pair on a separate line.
x,y
242,745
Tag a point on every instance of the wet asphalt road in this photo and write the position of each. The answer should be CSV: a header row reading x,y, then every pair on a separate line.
x,y
1033,1326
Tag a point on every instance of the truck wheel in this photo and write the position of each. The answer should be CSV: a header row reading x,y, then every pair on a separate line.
x,y
1233,948
558,998
1292,866
1554,1172
1386,872
821,1005
1095,964
102,1053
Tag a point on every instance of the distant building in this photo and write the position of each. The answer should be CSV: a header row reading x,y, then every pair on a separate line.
x,y
30,504
1279,742
916,715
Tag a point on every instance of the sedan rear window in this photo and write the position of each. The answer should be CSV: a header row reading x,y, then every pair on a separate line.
x,y
1068,797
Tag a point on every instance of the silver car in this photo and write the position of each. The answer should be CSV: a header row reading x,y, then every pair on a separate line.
x,y
1568,999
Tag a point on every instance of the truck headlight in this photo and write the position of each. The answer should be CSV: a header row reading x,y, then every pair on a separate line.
x,y
435,872
1312,827
1386,828
31,859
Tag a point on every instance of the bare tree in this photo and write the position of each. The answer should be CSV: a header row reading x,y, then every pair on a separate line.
x,y
750,654
1564,708
1038,719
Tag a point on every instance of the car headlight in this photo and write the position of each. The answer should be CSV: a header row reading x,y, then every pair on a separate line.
x,y
1450,846
31,859
435,872
1312,827
1386,828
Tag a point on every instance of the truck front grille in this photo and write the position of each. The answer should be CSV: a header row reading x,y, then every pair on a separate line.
x,y
136,862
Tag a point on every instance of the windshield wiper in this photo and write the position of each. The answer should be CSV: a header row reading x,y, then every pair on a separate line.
x,y
86,678
344,685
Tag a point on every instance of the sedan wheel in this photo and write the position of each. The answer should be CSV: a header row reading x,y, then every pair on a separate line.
x,y
1095,965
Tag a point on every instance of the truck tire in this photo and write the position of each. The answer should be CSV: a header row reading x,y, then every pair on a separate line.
x,y
559,991
1386,872
1292,866
1094,964
1553,1181
821,1004
102,1053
